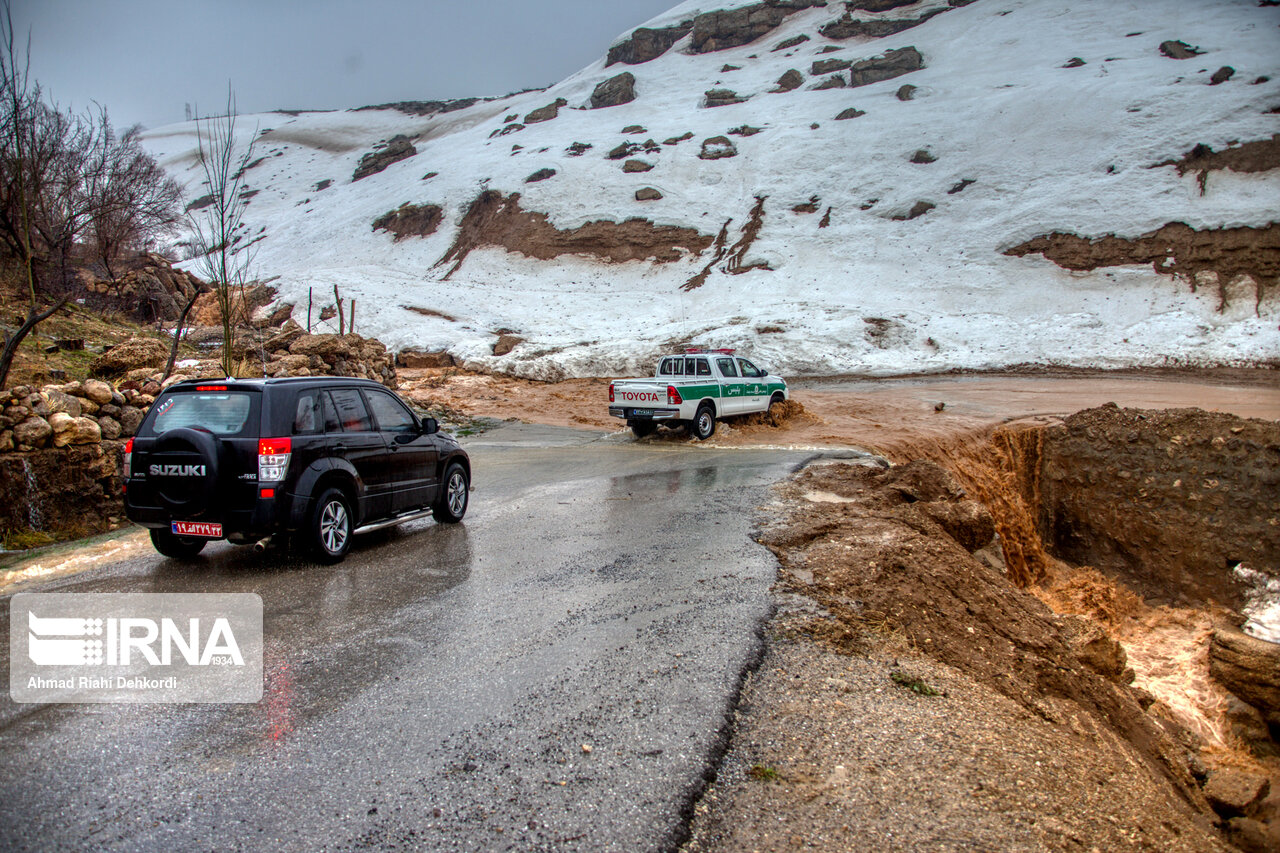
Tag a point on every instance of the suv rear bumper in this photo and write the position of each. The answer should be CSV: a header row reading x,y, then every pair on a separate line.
x,y
265,517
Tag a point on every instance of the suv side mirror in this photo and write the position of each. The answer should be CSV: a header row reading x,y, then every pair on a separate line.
x,y
430,426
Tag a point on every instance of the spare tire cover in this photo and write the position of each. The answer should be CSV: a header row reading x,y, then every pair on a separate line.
x,y
183,470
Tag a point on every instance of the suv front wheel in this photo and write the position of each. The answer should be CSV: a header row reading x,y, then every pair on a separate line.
x,y
451,506
330,528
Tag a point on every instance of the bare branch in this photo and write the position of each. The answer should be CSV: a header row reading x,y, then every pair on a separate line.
x,y
217,225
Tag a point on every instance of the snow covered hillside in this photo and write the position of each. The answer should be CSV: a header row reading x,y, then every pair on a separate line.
x,y
749,187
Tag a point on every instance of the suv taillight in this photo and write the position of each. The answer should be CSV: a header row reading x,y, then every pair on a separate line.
x,y
273,459
673,396
128,458
610,392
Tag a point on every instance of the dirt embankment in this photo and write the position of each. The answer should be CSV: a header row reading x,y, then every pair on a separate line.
x,y
1174,249
942,708
493,219
1125,690
1167,501
896,547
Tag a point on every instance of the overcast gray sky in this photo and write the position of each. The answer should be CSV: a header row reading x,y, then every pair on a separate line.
x,y
146,59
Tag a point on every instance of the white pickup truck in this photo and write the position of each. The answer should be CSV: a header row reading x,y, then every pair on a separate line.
x,y
695,388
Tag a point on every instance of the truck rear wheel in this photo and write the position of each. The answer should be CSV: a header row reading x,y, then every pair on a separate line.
x,y
643,428
704,422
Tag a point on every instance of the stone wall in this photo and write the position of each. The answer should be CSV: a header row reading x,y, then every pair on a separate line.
x,y
69,491
60,455
287,351
74,414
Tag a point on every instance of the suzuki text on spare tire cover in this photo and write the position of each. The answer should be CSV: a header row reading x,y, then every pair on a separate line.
x,y
693,390
307,461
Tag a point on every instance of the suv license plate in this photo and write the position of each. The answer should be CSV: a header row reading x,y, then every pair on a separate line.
x,y
197,528
642,413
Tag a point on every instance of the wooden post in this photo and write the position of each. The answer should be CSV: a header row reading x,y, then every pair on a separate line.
x,y
338,298
351,325
308,310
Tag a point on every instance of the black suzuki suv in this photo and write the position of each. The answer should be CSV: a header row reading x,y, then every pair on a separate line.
x,y
307,460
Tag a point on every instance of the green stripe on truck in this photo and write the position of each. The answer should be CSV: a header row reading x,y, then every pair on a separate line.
x,y
690,392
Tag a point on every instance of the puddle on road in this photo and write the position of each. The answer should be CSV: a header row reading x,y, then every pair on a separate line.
x,y
70,558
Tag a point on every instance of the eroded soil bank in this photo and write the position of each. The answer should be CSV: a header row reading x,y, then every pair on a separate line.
x,y
937,687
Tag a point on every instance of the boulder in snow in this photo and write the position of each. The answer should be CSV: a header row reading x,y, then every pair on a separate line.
x,y
397,149
615,91
546,113
789,81
1175,49
717,148
646,44
893,63
721,98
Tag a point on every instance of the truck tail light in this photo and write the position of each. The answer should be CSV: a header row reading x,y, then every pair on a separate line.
x,y
128,458
273,458
673,396
610,392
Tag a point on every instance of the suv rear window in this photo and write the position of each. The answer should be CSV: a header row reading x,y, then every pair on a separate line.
x,y
219,412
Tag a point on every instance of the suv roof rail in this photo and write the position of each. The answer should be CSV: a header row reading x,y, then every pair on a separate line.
x,y
274,380
702,350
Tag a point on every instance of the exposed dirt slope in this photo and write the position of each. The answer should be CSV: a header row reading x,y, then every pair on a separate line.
x,y
493,219
1175,249
831,753
944,709
895,548
1261,155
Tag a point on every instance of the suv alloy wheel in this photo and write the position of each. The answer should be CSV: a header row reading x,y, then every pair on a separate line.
x,y
331,526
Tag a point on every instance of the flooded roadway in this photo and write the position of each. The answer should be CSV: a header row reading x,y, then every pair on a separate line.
x,y
552,673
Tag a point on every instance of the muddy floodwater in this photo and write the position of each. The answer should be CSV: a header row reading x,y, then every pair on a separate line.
x,y
891,413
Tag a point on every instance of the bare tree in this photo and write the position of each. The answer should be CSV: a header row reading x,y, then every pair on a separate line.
x,y
64,177
131,201
177,333
217,224
20,126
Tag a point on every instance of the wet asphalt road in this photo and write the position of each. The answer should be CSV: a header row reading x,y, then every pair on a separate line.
x,y
435,691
